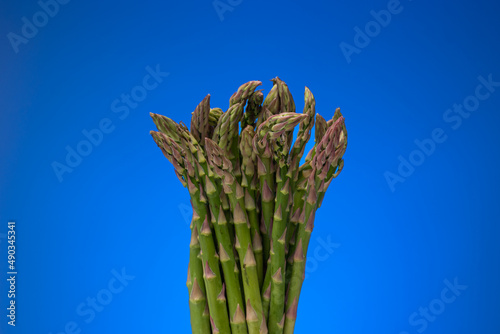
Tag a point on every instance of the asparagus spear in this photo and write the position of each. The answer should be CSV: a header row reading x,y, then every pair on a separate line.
x,y
200,321
248,173
213,280
265,173
328,153
222,168
276,131
222,231
266,290
227,259
297,151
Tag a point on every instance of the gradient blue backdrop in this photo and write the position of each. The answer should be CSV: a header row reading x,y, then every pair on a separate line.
x,y
122,206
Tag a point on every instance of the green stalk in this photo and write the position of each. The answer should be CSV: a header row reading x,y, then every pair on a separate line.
x,y
298,214
296,210
265,167
267,201
243,243
267,186
222,230
278,257
213,280
211,285
328,154
226,255
248,172
255,233
248,264
301,175
200,321
292,236
297,151
298,269
275,131
266,292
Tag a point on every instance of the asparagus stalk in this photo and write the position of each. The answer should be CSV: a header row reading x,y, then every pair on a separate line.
x,y
266,168
248,171
226,255
215,288
266,290
276,130
222,231
213,280
243,243
296,154
304,134
328,153
200,321
265,172
300,182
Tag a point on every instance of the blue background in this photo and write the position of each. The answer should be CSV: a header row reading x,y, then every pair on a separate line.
x,y
122,207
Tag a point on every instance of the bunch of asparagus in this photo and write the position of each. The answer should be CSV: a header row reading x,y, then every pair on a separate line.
x,y
253,204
